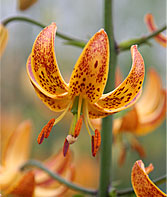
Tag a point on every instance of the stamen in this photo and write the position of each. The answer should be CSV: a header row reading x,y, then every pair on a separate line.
x,y
62,115
138,147
45,131
87,127
78,127
85,111
73,123
48,128
96,141
79,106
40,137
87,116
65,147
122,155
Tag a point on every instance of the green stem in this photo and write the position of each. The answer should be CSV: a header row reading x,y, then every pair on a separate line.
x,y
71,41
106,134
127,191
34,163
160,180
139,41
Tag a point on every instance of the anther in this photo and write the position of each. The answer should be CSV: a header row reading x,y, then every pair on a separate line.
x,y
78,127
45,131
96,141
65,147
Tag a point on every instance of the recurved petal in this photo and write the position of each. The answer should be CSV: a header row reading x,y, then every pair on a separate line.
x,y
141,183
160,38
17,149
126,93
23,185
130,121
152,93
96,112
42,67
118,76
59,191
55,104
149,122
91,70
3,38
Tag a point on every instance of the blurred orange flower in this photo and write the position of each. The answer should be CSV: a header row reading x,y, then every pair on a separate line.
x,y
145,116
3,38
141,183
160,38
35,182
24,4
84,93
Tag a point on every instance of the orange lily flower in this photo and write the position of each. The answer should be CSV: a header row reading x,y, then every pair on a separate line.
x,y
3,38
24,4
160,38
141,182
145,116
84,93
34,182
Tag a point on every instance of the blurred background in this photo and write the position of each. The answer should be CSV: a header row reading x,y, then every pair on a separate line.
x,y
80,19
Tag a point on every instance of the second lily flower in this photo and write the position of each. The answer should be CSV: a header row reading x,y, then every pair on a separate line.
x,y
84,93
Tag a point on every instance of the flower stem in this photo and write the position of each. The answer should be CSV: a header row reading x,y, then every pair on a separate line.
x,y
106,134
71,41
139,41
34,163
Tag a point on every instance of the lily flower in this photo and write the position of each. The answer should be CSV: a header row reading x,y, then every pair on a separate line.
x,y
35,182
83,95
160,38
24,4
144,117
142,185
3,38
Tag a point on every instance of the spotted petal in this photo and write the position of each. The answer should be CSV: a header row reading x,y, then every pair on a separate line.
x,y
42,67
91,70
55,104
123,96
141,183
96,111
160,38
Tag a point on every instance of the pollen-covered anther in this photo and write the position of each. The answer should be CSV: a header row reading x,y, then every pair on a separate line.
x,y
45,131
96,141
78,127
